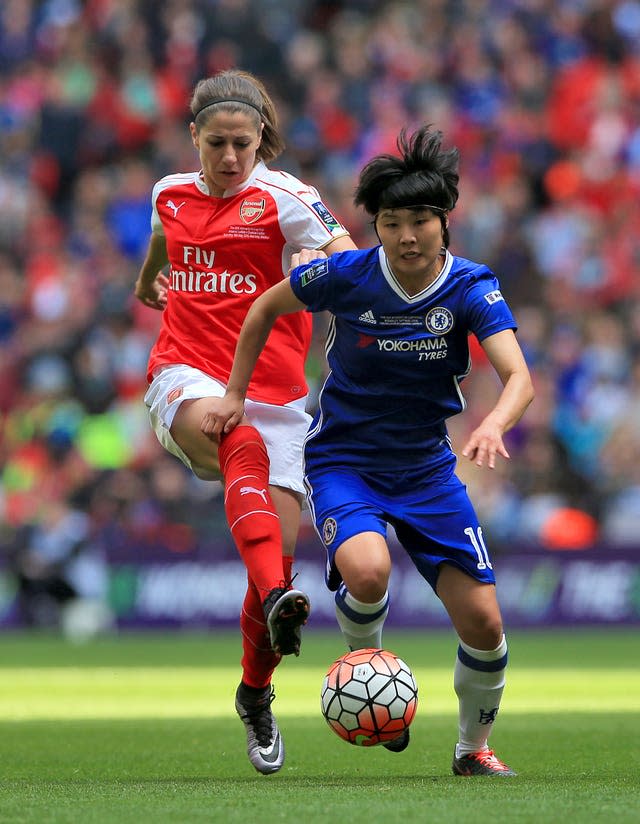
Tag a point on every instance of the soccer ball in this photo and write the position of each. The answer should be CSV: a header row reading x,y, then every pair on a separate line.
x,y
369,697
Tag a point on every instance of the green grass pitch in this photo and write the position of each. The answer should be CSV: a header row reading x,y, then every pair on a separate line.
x,y
142,729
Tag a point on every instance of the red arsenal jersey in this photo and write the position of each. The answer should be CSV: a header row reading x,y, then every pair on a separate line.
x,y
223,253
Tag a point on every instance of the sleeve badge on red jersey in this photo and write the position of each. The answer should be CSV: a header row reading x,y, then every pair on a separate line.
x,y
325,215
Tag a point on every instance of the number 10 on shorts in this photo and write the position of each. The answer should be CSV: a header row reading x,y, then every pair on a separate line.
x,y
477,541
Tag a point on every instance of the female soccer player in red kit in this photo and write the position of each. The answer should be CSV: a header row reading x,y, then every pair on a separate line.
x,y
228,232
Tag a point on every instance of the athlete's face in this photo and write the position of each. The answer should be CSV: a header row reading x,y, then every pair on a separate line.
x,y
412,241
227,144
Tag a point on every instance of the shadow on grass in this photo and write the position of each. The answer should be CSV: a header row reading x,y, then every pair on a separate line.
x,y
542,748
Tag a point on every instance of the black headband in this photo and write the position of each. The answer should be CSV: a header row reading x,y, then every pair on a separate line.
x,y
438,209
228,100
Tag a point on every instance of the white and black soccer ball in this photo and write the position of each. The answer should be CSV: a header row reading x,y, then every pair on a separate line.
x,y
369,697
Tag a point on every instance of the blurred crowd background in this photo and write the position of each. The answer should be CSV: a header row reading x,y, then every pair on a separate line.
x,y
542,97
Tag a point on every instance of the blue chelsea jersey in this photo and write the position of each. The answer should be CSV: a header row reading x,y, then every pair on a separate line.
x,y
396,360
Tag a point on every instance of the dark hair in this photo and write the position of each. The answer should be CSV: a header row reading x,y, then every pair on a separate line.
x,y
236,90
423,175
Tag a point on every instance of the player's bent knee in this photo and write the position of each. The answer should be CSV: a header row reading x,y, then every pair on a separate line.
x,y
368,585
482,632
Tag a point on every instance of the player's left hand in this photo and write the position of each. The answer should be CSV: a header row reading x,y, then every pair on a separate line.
x,y
484,444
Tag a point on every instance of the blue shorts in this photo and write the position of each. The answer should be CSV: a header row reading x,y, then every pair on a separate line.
x,y
435,522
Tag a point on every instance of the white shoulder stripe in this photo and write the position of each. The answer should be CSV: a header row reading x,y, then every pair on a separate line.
x,y
178,178
182,179
174,180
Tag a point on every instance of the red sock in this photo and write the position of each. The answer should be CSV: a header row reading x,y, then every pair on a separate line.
x,y
287,564
251,516
258,659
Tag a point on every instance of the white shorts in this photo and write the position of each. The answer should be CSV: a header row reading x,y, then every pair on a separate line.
x,y
283,428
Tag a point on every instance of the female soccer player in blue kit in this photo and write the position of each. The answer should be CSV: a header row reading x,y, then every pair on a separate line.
x,y
378,452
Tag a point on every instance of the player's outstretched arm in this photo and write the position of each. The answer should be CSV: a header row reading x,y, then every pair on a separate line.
x,y
507,359
228,412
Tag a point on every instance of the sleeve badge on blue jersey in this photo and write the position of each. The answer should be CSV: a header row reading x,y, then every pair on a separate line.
x,y
493,297
314,271
325,215
439,320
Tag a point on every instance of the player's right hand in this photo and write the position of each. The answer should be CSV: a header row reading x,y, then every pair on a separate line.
x,y
222,417
305,256
154,294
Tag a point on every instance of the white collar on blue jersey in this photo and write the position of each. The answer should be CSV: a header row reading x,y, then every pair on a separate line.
x,y
397,287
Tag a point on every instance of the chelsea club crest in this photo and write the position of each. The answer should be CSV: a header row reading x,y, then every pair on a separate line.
x,y
439,320
329,529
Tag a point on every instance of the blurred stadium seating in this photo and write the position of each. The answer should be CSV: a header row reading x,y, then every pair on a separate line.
x,y
543,99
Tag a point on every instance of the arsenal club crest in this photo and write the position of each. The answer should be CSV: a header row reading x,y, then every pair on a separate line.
x,y
252,209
